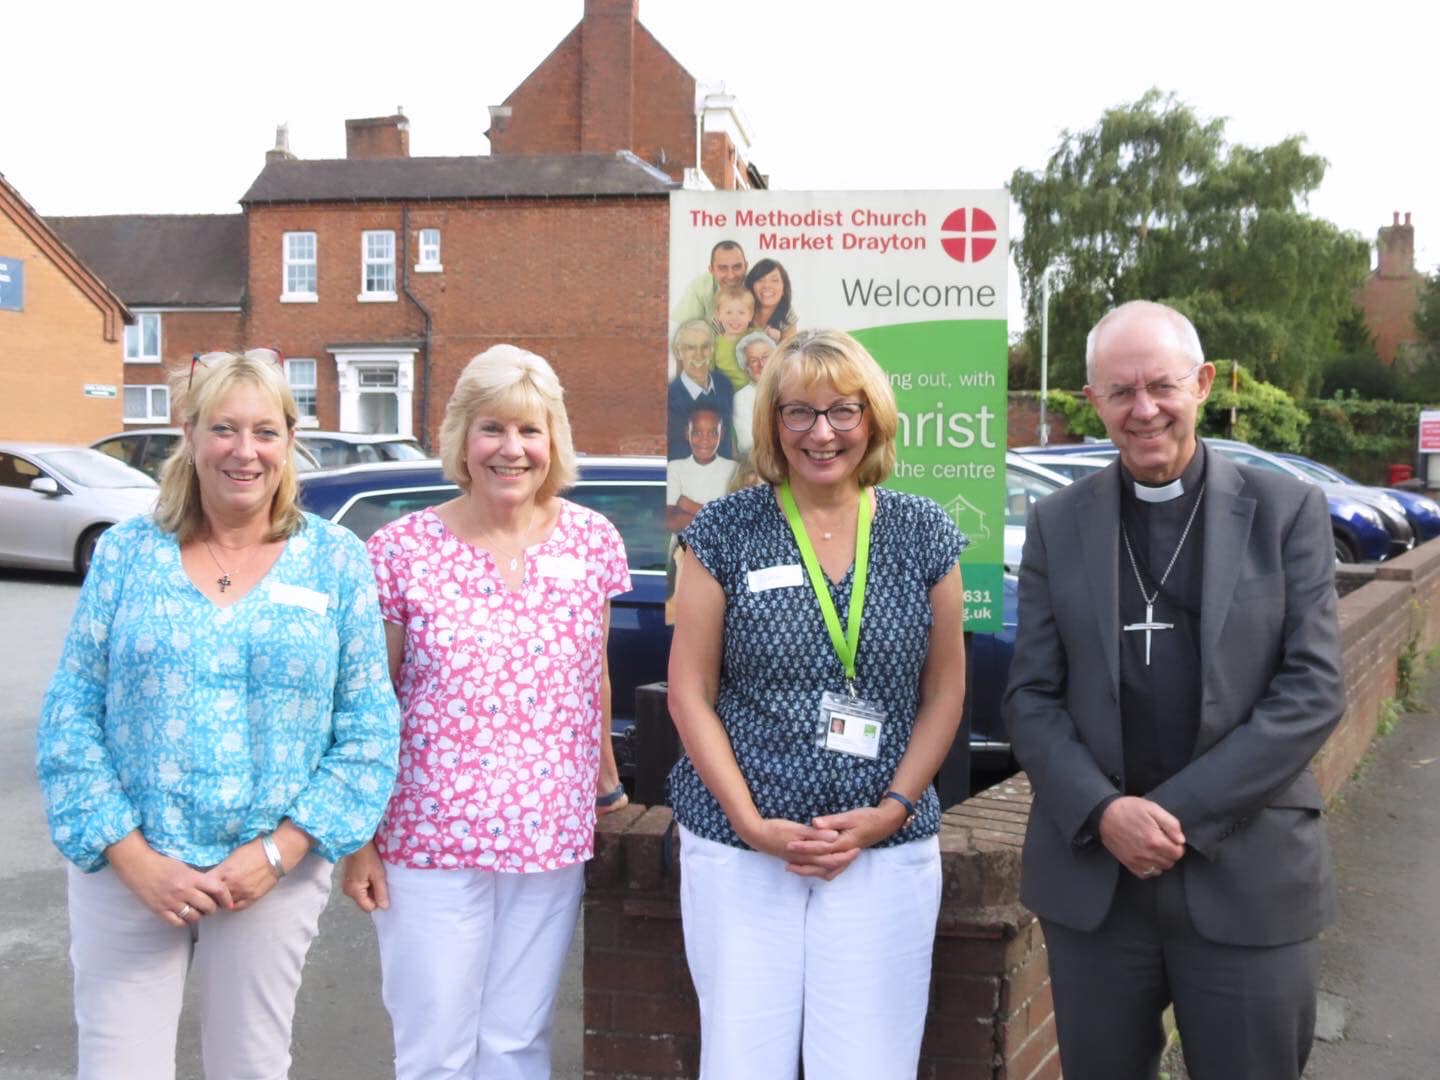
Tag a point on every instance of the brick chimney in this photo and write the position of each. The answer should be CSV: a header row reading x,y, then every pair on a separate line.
x,y
1396,244
378,137
607,75
282,146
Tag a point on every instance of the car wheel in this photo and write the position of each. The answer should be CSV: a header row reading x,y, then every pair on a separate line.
x,y
85,549
1344,553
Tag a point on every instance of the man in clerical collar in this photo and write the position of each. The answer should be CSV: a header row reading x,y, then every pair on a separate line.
x,y
1176,666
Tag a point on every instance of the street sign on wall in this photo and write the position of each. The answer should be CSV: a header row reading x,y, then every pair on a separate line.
x,y
919,277
12,284
1430,431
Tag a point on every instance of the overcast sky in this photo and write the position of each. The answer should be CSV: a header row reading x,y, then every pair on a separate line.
x,y
168,107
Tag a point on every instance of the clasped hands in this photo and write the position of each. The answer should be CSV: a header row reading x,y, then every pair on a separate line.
x,y
829,844
1142,835
180,894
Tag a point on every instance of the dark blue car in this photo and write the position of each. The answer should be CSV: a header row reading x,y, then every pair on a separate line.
x,y
630,491
1360,530
1422,511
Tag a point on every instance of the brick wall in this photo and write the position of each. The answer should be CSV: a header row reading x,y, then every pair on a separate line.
x,y
990,1010
182,335
593,304
991,1014
52,349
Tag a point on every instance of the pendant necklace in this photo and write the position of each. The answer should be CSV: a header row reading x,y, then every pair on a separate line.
x,y
224,579
1150,625
514,560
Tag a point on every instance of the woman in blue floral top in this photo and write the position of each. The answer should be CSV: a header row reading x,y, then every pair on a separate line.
x,y
221,729
817,676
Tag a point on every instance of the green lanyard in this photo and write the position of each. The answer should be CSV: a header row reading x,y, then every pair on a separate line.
x,y
846,646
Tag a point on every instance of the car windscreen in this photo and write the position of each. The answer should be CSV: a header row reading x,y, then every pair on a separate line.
x,y
400,450
90,468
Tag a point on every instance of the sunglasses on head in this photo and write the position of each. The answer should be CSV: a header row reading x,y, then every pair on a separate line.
x,y
210,359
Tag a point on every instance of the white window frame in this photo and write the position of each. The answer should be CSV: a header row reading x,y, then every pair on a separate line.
x,y
154,392
376,296
306,420
351,360
138,326
429,252
288,260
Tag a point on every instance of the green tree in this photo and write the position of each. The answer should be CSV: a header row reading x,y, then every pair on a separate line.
x,y
1153,203
1422,382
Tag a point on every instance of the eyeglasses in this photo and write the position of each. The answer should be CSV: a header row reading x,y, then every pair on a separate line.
x,y
844,416
1161,390
210,359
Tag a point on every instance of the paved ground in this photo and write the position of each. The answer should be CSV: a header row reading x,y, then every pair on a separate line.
x,y
1381,963
341,1030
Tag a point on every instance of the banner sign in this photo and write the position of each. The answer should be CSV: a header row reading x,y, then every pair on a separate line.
x,y
919,277
1430,431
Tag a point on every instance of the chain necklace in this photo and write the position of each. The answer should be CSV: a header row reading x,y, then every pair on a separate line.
x,y
1150,625
514,557
224,579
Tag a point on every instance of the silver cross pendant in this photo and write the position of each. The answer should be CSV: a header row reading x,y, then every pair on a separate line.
x,y
1149,625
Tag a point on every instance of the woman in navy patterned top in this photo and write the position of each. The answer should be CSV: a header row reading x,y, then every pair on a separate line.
x,y
220,730
817,678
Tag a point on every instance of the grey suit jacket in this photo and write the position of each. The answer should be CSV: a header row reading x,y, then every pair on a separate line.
x,y
1257,870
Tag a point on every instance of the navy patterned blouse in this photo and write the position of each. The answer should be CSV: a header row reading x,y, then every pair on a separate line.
x,y
777,660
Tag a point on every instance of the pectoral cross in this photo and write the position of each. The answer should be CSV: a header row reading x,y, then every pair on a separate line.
x,y
1149,625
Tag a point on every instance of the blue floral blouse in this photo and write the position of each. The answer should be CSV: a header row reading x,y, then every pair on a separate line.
x,y
204,726
777,660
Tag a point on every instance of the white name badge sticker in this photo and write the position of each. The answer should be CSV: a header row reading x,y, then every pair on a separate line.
x,y
299,596
564,567
775,577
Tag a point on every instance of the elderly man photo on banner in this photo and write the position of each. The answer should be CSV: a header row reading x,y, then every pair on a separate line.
x,y
1176,667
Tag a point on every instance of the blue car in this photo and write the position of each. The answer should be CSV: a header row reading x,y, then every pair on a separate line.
x,y
1363,532
630,491
1423,511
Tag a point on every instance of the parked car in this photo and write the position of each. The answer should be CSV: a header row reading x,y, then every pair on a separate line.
x,y
630,491
55,501
147,448
1026,483
334,448
1423,511
1400,537
1070,466
1359,529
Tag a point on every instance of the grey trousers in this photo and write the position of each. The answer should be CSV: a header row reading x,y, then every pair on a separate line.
x,y
131,966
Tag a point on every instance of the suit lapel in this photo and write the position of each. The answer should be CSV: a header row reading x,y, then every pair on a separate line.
x,y
1228,516
1099,526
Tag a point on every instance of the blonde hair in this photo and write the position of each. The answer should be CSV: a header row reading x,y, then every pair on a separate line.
x,y
733,293
198,390
508,381
835,357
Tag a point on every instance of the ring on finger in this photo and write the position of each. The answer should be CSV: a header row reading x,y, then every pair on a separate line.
x,y
183,912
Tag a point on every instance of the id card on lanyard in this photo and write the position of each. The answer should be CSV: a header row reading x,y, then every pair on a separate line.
x,y
846,724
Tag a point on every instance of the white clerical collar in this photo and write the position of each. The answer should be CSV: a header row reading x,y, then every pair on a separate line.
x,y
1163,493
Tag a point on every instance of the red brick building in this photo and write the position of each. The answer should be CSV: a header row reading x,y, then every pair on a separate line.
x,y
60,334
379,275
1391,294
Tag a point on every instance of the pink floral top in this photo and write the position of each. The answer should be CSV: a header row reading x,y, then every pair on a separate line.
x,y
499,692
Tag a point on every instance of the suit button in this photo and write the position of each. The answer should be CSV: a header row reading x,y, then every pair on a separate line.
x,y
1114,778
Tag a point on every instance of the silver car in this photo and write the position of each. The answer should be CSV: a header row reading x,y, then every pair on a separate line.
x,y
55,501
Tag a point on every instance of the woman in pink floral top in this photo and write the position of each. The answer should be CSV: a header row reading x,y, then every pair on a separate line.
x,y
497,610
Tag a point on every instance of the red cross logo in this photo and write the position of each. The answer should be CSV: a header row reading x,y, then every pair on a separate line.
x,y
980,246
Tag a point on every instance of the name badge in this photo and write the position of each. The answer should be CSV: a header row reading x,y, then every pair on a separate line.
x,y
299,596
565,567
775,577
850,725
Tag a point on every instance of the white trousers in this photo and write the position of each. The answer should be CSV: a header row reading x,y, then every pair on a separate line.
x,y
782,964
471,961
131,966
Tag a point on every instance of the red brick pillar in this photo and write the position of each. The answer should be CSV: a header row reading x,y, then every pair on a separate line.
x,y
990,1011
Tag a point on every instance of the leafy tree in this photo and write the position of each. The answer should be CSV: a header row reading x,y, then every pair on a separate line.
x,y
1265,415
1422,382
1152,203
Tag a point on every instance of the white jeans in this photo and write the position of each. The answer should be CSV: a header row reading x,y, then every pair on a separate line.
x,y
779,960
130,970
471,962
